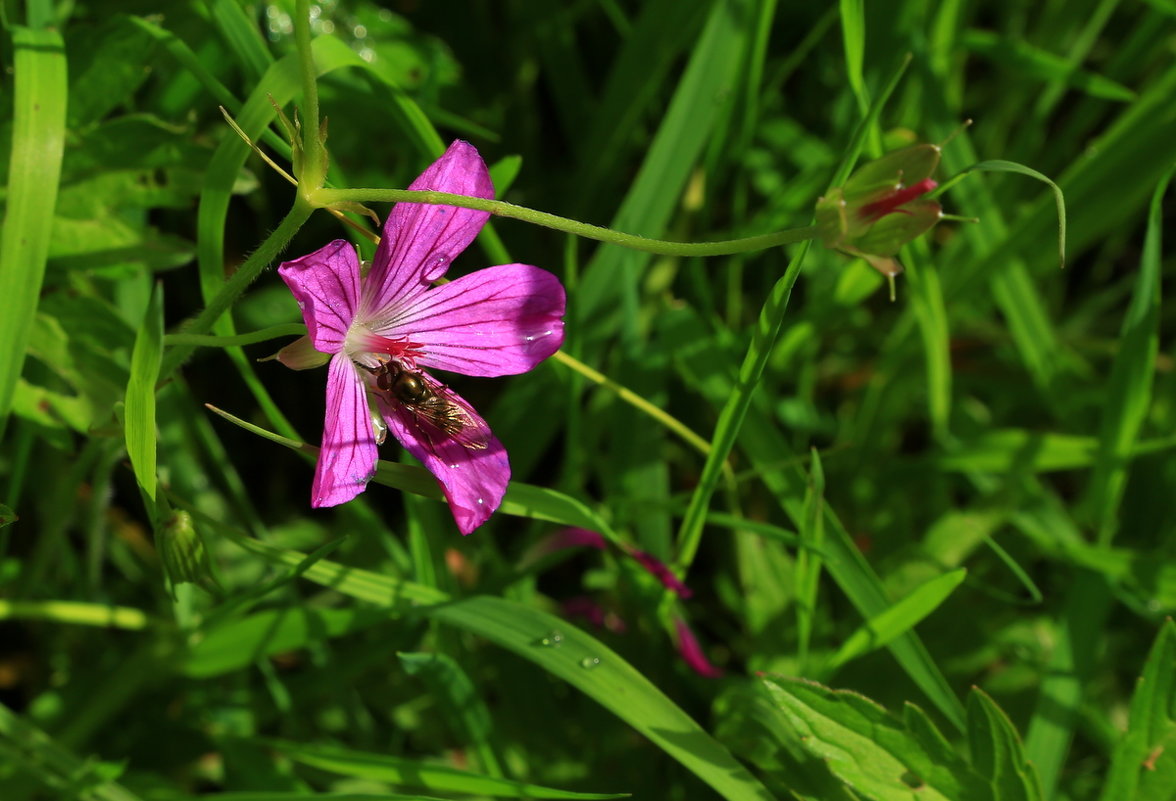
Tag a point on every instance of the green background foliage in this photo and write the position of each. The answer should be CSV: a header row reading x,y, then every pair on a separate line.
x,y
956,508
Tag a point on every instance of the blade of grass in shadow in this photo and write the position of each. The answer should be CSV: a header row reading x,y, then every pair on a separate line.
x,y
38,139
1130,385
558,648
139,415
898,619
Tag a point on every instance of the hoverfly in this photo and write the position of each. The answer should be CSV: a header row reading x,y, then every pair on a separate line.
x,y
435,405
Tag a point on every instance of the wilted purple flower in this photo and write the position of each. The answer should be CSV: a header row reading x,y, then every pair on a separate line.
x,y
691,651
382,327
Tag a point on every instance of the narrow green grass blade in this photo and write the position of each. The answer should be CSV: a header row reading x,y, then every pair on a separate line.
x,y
1130,386
1030,60
931,314
139,417
242,35
559,648
608,290
463,708
998,165
898,619
808,561
38,137
853,36
1059,702
417,773
1144,762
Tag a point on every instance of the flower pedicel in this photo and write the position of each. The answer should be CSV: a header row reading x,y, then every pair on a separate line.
x,y
380,330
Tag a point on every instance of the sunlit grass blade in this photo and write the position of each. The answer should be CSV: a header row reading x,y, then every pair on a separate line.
x,y
38,139
557,647
242,35
853,36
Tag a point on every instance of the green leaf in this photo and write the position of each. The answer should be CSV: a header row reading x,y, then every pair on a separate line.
x,y
140,398
875,754
996,751
38,137
900,618
1143,767
853,35
7,516
417,773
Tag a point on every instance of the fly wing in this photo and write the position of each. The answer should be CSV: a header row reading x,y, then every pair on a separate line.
x,y
470,463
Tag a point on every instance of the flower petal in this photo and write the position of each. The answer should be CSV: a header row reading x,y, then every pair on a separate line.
x,y
326,286
498,321
421,240
347,460
691,651
471,467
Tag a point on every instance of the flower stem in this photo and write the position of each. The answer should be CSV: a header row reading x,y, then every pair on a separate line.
x,y
314,153
253,337
242,278
326,197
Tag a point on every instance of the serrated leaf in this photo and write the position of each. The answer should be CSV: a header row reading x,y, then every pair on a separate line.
x,y
1143,767
868,748
997,754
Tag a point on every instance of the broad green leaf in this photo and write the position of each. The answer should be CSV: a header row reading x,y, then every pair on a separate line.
x,y
38,138
898,619
430,777
996,751
139,416
559,648
870,750
1143,767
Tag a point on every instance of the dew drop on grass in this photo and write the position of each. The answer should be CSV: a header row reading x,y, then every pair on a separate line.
x,y
590,662
553,639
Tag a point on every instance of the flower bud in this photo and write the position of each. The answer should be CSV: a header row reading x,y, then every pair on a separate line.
x,y
182,551
882,207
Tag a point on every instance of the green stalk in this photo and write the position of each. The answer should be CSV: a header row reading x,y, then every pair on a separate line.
x,y
329,197
314,160
242,278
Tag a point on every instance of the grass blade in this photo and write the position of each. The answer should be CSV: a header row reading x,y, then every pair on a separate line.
x,y
139,416
38,139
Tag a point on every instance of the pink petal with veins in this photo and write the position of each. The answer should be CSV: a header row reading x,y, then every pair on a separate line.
x,y
502,320
420,240
471,466
326,286
347,459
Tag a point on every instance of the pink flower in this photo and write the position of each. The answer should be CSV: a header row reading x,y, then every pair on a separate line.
x,y
381,328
